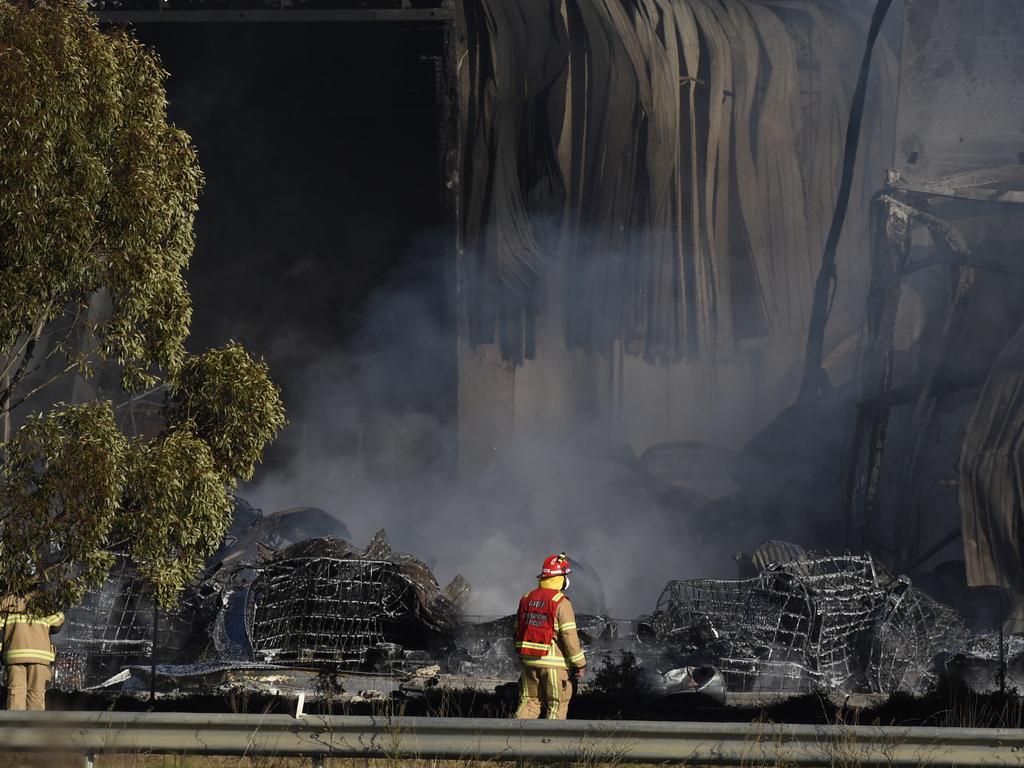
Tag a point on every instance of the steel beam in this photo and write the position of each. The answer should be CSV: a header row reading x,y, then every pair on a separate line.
x,y
891,223
427,738
1003,184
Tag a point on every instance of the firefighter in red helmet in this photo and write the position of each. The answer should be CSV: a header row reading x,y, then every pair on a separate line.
x,y
548,644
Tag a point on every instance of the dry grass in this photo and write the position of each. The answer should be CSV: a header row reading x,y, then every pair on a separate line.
x,y
838,758
187,761
843,752
840,751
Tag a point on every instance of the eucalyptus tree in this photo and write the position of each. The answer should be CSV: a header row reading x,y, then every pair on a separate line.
x,y
98,195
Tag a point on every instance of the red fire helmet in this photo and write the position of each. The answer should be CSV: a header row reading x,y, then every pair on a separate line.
x,y
556,565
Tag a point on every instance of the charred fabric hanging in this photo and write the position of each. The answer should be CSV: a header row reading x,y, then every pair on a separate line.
x,y
991,480
678,157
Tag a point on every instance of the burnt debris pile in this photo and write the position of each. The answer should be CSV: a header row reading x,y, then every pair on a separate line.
x,y
287,593
285,588
321,601
815,622
486,649
115,627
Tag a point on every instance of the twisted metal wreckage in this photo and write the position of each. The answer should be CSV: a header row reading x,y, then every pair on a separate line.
x,y
806,622
802,622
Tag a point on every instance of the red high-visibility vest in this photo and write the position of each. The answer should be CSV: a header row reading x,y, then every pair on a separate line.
x,y
535,622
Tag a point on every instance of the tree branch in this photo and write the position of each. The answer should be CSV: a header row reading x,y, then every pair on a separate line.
x,y
14,357
28,340
21,342
5,422
26,358
67,369
57,347
8,386
141,396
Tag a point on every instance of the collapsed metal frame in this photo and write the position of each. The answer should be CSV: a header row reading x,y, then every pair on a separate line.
x,y
895,211
117,625
745,628
824,622
909,619
326,610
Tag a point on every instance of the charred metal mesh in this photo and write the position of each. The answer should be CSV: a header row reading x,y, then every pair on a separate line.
x,y
823,622
327,610
486,649
755,630
114,620
845,594
113,628
910,631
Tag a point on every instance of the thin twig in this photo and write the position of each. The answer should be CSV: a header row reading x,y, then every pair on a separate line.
x,y
10,407
15,356
19,374
53,351
141,396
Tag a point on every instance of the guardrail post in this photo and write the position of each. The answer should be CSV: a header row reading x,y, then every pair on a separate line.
x,y
88,760
318,761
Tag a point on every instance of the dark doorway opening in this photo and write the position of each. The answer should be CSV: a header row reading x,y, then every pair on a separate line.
x,y
321,235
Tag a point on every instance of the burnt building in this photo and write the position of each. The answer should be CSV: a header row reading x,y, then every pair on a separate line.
x,y
607,219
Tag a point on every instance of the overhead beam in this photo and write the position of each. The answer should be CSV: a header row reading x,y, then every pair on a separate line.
x,y
401,15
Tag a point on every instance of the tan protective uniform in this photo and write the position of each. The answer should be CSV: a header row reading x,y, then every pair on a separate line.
x,y
544,686
27,652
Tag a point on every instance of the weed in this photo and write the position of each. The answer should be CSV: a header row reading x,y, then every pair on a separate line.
x,y
623,678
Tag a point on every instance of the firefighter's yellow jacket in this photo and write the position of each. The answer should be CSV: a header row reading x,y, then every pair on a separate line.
x,y
26,638
565,652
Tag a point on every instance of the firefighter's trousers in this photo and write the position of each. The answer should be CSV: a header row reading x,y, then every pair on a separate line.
x,y
542,689
26,686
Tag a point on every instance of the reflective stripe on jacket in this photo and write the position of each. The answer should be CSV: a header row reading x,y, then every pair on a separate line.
x,y
565,651
26,638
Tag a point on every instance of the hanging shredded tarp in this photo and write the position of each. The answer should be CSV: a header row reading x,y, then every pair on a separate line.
x,y
992,476
680,157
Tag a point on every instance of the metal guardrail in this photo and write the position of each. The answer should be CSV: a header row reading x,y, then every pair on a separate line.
x,y
589,741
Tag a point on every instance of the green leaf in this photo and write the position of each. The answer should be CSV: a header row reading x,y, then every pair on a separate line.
x,y
98,192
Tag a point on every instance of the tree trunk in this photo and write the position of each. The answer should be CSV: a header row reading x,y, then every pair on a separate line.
x,y
5,416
